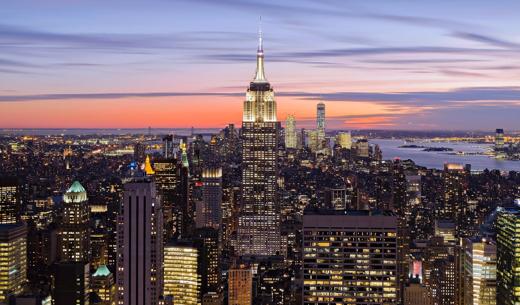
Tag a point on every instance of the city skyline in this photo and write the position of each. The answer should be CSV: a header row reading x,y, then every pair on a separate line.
x,y
375,65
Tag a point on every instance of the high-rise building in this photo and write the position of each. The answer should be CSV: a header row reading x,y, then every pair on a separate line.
x,y
416,293
336,198
74,234
259,220
290,132
350,257
104,286
168,148
240,285
171,180
499,139
443,281
140,245
71,283
344,140
208,242
9,200
209,210
455,206
313,140
41,255
139,152
181,272
362,148
13,254
480,271
508,249
320,123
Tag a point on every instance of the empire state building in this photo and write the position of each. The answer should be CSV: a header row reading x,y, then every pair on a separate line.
x,y
259,219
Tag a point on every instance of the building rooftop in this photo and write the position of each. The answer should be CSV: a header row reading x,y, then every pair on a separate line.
x,y
76,187
102,270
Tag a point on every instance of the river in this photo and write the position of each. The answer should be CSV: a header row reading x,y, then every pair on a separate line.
x,y
432,159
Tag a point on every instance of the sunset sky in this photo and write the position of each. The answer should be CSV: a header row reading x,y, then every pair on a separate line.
x,y
415,65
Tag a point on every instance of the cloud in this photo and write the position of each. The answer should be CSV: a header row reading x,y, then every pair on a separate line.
x,y
337,9
509,95
488,40
311,56
422,98
108,96
16,38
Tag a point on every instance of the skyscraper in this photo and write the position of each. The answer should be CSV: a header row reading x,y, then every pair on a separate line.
x,y
344,140
480,271
209,211
259,221
499,139
168,146
320,123
74,235
508,247
171,179
140,245
455,207
208,242
290,132
350,257
9,200
181,272
71,283
104,286
13,253
240,285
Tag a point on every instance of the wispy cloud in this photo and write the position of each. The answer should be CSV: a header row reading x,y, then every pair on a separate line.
x,y
413,98
488,40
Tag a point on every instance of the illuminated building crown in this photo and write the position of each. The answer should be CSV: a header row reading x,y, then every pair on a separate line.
x,y
75,193
260,105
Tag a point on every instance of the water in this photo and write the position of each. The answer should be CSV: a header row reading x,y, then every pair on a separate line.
x,y
436,159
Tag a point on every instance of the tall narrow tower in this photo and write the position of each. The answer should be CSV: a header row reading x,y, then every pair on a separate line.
x,y
320,123
74,233
140,245
259,221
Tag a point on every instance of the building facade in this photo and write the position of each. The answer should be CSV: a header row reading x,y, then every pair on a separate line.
x,y
240,285
290,133
181,273
209,211
350,257
9,200
74,234
140,245
480,271
13,253
508,251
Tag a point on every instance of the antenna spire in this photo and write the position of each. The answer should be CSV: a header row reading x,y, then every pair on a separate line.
x,y
260,36
259,75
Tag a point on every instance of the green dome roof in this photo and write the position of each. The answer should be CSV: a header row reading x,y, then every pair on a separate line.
x,y
76,187
102,270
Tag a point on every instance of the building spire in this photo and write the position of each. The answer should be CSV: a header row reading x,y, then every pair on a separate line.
x,y
259,75
260,38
